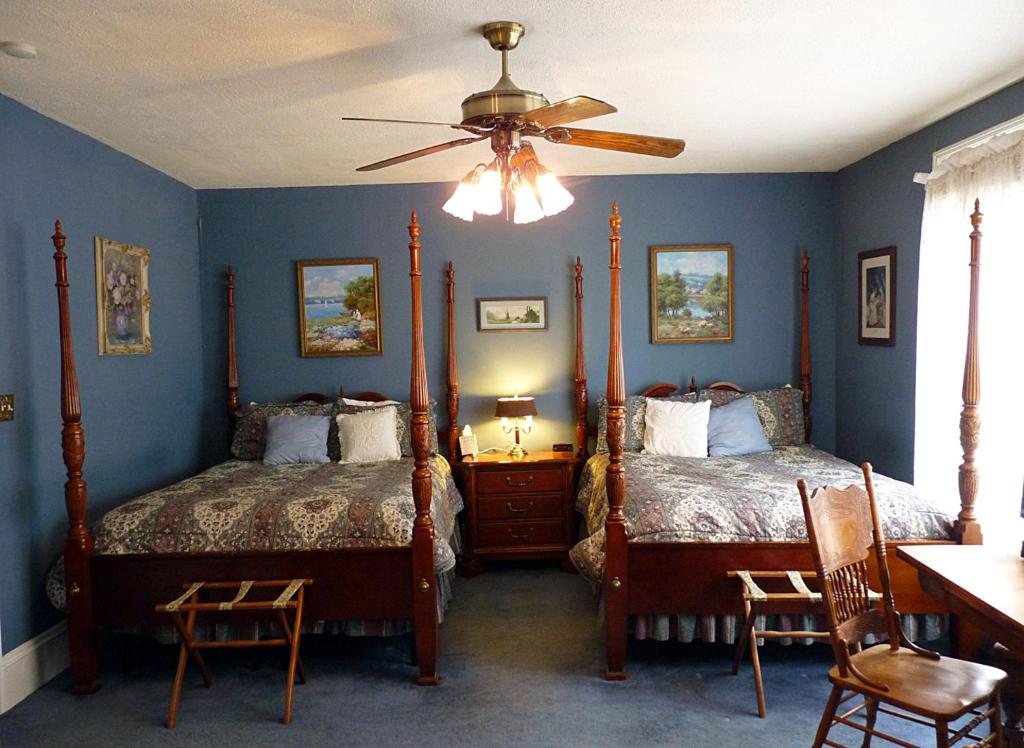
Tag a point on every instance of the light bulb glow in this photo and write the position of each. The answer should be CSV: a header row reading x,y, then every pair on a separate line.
x,y
488,192
554,198
460,204
528,209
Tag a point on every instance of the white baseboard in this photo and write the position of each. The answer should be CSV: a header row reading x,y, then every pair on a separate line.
x,y
29,666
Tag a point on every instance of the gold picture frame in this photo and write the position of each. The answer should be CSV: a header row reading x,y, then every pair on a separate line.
x,y
328,325
122,298
692,294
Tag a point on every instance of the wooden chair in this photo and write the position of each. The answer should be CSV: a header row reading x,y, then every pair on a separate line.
x,y
842,526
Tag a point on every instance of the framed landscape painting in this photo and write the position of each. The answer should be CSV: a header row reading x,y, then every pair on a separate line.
x,y
512,313
876,273
691,294
122,298
339,307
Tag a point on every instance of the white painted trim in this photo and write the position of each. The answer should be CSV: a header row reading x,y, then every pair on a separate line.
x,y
1003,128
29,666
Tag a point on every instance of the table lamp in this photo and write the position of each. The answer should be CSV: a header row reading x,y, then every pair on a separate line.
x,y
514,409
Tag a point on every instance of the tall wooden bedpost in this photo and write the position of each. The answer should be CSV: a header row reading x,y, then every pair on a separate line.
x,y
232,353
615,573
581,370
453,373
78,546
423,576
805,341
967,528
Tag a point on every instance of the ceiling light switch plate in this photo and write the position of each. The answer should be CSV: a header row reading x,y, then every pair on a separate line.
x,y
6,407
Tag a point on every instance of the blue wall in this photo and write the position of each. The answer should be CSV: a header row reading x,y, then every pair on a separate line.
x,y
140,412
878,204
767,218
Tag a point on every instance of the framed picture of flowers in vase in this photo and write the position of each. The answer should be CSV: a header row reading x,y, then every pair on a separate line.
x,y
122,298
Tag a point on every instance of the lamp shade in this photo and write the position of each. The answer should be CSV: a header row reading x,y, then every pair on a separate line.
x,y
515,407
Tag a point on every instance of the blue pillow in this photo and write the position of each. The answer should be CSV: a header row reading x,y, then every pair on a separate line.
x,y
734,429
296,439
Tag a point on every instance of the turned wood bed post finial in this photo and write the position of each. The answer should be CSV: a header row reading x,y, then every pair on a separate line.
x,y
580,379
453,371
424,578
79,543
968,529
232,351
805,341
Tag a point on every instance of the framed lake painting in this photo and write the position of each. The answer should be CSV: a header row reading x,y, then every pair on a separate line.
x,y
122,298
512,313
339,307
691,294
876,273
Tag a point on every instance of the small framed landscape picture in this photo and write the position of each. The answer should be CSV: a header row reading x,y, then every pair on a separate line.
x,y
122,298
512,313
876,273
691,294
339,307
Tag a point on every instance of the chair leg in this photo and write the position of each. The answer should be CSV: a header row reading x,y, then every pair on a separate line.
x,y
941,734
826,716
871,715
995,722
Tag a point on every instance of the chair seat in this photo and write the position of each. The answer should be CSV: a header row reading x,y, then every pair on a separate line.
x,y
942,689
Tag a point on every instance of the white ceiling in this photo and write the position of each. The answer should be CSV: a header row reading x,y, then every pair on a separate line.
x,y
249,93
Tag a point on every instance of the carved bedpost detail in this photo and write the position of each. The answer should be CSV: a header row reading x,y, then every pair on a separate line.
x,y
615,581
805,342
232,353
968,529
582,447
78,546
424,581
693,385
453,372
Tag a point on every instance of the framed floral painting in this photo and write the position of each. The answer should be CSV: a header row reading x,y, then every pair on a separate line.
x,y
339,307
122,298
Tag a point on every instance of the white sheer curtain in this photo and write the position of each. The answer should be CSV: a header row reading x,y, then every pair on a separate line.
x,y
994,173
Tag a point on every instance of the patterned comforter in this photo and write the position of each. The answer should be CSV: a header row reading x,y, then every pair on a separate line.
x,y
248,506
735,499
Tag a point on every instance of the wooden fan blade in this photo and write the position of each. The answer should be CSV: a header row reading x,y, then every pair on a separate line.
x,y
457,126
647,145
570,110
421,152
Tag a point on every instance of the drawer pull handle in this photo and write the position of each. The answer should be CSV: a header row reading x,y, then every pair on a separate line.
x,y
521,537
518,510
522,484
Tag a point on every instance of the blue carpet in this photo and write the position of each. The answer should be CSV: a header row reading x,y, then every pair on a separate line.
x,y
521,656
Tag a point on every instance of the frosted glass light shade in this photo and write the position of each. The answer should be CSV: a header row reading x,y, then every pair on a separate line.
x,y
461,203
528,209
488,192
554,198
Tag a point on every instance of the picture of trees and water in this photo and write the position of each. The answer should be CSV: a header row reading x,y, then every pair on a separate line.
x,y
692,293
340,314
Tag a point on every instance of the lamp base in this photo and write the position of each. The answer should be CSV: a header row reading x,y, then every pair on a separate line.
x,y
516,452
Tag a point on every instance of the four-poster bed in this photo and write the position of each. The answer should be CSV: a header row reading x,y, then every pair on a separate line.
x,y
660,575
385,579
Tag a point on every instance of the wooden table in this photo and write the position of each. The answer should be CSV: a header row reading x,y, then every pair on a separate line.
x,y
984,589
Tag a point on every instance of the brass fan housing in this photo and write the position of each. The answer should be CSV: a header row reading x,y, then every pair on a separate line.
x,y
501,103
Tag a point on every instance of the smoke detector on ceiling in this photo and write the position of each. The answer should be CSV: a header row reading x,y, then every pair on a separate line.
x,y
21,50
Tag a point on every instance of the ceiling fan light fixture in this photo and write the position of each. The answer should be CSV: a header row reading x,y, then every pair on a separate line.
x,y
488,191
528,209
462,201
554,198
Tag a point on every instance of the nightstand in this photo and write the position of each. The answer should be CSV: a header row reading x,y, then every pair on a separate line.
x,y
518,508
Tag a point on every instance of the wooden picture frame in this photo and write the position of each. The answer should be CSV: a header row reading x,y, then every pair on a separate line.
x,y
511,313
691,293
122,298
328,326
876,296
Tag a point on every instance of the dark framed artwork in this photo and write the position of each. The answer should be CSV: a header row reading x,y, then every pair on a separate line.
x,y
512,313
691,294
339,307
876,296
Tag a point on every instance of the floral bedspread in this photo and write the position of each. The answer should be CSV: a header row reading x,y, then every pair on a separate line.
x,y
248,506
735,499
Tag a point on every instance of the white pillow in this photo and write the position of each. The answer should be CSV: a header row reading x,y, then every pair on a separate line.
x,y
366,403
369,436
676,428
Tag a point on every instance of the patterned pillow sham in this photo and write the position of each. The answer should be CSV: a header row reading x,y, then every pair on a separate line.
x,y
636,412
250,437
780,409
404,430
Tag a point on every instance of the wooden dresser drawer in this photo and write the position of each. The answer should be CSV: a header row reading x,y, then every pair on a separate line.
x,y
525,506
541,532
519,481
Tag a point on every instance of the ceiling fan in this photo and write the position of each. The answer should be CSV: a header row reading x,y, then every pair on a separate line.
x,y
506,114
